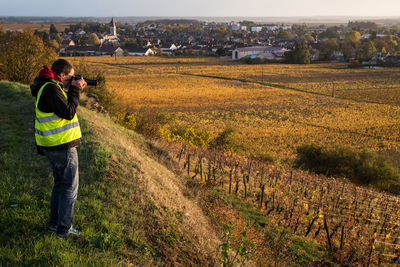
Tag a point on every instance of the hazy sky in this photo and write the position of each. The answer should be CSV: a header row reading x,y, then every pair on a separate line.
x,y
207,8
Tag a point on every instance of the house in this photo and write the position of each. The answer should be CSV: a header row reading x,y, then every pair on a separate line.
x,y
272,28
67,42
235,26
168,49
89,50
214,49
338,56
142,52
93,50
256,29
286,42
172,47
264,52
395,60
111,50
80,32
286,27
151,27
379,57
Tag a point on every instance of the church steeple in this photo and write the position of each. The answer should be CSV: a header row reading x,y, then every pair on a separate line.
x,y
113,28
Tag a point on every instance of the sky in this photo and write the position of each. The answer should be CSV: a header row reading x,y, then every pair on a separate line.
x,y
205,8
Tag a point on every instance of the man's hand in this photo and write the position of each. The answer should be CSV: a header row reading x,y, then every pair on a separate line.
x,y
79,83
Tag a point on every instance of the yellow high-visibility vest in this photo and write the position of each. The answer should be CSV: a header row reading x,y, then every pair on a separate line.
x,y
51,130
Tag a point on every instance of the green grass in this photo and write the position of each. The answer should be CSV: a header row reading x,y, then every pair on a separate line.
x,y
120,223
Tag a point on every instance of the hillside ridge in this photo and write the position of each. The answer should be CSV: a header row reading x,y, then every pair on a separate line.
x,y
165,189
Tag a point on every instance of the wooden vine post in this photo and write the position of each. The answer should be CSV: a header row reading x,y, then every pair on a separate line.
x,y
188,164
327,234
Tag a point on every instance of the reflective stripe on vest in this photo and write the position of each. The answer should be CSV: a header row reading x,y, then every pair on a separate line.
x,y
47,119
51,130
57,130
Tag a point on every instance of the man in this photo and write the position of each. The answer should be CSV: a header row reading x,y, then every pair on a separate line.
x,y
57,135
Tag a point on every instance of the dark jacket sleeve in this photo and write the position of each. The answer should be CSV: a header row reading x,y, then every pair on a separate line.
x,y
54,100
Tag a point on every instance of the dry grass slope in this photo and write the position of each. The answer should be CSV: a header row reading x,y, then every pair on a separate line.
x,y
165,189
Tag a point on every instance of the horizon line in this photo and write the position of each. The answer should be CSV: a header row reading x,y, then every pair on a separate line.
x,y
225,16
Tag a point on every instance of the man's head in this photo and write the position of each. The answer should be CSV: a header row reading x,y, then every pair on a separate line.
x,y
64,69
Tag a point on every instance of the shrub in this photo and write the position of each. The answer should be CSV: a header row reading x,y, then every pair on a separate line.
x,y
160,125
192,136
127,120
150,124
354,63
360,166
225,140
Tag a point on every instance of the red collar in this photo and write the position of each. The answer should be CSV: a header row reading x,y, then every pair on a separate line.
x,y
46,72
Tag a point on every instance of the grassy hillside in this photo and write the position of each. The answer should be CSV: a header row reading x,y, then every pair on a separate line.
x,y
130,208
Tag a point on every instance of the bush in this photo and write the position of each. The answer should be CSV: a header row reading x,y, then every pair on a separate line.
x,y
225,140
360,166
127,120
151,124
354,63
191,135
161,125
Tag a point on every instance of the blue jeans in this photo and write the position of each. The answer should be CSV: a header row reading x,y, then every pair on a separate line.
x,y
65,190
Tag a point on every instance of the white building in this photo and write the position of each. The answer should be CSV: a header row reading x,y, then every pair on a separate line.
x,y
235,26
168,49
278,27
272,28
142,52
256,28
80,32
264,52
286,27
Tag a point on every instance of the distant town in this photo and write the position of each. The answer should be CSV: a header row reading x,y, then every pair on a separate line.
x,y
358,42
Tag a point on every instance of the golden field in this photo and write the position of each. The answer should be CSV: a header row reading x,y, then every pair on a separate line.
x,y
32,27
270,112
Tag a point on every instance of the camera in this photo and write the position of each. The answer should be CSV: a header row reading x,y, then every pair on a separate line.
x,y
88,81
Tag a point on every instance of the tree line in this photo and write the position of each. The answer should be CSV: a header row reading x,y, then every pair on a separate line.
x,y
22,55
